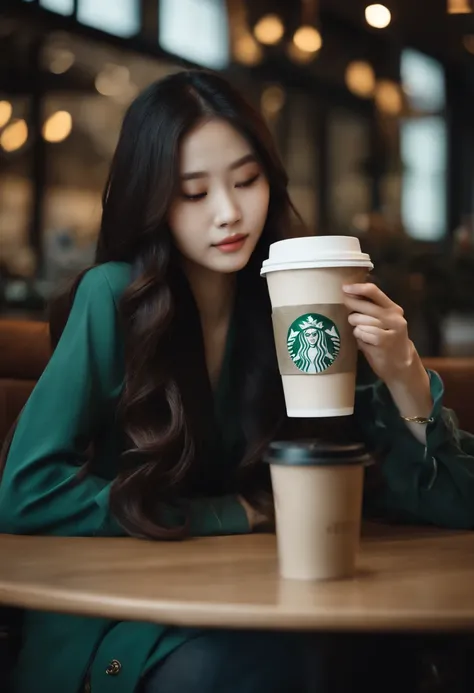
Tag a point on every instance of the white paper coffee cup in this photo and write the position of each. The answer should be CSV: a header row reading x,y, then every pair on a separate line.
x,y
316,350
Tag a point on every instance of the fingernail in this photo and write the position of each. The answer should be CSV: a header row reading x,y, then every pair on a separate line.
x,y
348,287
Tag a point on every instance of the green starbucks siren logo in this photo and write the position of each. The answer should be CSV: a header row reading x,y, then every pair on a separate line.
x,y
313,343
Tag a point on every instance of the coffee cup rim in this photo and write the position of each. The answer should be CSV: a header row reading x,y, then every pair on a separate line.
x,y
304,453
329,262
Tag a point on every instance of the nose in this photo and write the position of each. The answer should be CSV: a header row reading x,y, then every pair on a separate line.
x,y
228,212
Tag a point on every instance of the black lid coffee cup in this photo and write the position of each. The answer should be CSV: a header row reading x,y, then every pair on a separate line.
x,y
318,489
316,453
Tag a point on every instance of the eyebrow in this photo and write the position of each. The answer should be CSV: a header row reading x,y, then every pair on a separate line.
x,y
247,159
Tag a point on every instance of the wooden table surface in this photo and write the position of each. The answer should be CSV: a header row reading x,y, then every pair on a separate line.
x,y
408,578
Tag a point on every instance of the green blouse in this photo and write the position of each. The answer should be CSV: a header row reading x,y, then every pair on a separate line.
x,y
77,396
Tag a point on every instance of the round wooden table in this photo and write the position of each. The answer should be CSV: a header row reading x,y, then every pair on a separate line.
x,y
407,579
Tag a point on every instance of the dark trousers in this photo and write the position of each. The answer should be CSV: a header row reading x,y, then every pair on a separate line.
x,y
253,662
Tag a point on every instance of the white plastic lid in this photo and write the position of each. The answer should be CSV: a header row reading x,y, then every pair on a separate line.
x,y
309,252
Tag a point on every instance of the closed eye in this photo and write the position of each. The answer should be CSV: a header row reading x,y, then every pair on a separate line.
x,y
248,183
194,198
245,184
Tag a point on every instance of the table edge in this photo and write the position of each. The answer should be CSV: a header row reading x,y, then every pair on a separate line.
x,y
218,615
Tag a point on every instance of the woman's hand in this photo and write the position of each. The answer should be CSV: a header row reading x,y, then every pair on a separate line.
x,y
380,330
382,335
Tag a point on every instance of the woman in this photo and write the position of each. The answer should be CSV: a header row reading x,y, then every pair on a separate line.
x,y
151,384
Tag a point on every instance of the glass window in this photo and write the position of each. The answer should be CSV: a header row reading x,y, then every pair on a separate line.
x,y
423,207
118,17
424,144
423,80
81,131
424,148
424,152
196,30
65,7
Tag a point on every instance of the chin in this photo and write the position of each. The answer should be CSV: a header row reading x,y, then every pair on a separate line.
x,y
232,264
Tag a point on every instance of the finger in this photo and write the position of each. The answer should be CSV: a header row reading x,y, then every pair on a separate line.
x,y
361,319
370,350
371,335
366,339
386,320
370,292
359,305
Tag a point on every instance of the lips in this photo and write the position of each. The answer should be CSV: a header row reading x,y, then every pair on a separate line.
x,y
230,240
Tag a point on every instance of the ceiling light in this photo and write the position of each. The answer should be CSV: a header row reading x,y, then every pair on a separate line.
x,y
247,51
360,79
113,80
300,56
269,30
308,39
378,16
14,136
388,97
272,101
6,110
58,127
459,6
62,59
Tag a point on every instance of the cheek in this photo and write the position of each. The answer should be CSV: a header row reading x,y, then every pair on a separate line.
x,y
183,221
262,202
256,209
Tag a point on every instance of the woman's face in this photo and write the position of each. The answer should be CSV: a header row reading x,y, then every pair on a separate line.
x,y
219,213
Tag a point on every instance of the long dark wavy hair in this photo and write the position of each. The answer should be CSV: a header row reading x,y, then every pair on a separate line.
x,y
166,407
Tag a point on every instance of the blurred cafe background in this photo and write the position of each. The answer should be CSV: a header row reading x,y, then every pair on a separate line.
x,y
372,107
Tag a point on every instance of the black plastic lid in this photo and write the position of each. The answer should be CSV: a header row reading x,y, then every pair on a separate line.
x,y
316,452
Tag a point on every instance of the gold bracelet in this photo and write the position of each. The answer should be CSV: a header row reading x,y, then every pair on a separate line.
x,y
417,419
